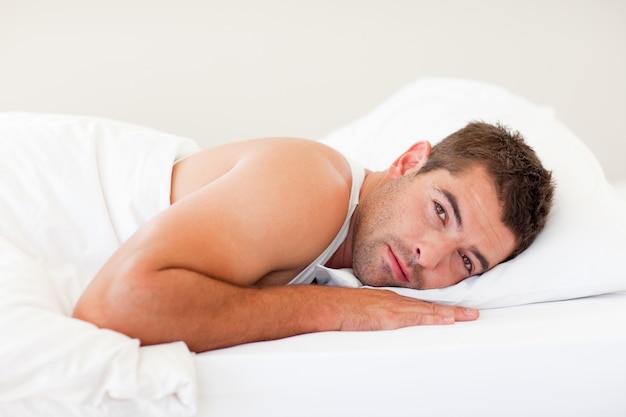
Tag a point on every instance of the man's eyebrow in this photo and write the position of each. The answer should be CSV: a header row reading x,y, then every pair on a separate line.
x,y
455,206
484,263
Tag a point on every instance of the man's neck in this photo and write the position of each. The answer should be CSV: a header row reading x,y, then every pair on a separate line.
x,y
342,258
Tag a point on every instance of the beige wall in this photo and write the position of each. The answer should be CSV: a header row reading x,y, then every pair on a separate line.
x,y
231,69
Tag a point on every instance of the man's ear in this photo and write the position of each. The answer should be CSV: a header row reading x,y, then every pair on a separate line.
x,y
411,160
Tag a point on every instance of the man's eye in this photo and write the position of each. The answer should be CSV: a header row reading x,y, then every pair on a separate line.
x,y
467,263
441,212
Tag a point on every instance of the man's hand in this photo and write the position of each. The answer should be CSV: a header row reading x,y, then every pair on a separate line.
x,y
373,309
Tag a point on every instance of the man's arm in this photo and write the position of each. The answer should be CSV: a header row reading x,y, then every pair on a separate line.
x,y
173,304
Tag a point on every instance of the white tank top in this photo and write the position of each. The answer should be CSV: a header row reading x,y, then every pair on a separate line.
x,y
307,275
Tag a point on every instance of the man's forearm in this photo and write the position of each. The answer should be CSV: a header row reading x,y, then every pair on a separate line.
x,y
176,304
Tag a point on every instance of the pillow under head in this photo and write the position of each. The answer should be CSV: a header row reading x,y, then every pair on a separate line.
x,y
578,253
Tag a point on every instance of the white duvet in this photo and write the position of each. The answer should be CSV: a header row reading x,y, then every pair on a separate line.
x,y
73,189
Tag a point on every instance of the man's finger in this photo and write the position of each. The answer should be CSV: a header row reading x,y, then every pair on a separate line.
x,y
465,314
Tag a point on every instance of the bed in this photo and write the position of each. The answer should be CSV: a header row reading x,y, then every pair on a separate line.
x,y
550,340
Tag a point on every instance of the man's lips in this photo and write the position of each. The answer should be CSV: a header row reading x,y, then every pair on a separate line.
x,y
396,267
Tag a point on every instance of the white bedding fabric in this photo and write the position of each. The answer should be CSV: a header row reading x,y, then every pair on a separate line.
x,y
542,360
73,188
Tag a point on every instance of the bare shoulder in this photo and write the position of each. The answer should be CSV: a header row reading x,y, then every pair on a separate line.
x,y
255,211
298,159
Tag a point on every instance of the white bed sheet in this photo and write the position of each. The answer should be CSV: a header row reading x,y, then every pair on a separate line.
x,y
561,358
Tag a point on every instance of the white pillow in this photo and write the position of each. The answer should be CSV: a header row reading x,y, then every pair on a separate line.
x,y
579,252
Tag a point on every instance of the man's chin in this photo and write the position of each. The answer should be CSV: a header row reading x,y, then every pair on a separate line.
x,y
381,282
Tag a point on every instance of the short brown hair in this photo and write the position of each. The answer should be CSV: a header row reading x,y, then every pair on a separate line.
x,y
523,186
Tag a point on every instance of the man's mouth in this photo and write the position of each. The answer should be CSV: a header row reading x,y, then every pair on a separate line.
x,y
397,268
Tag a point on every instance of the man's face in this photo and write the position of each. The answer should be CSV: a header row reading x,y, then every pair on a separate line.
x,y
429,231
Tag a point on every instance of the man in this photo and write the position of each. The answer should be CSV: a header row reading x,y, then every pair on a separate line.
x,y
248,217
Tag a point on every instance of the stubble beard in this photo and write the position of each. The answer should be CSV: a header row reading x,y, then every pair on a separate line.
x,y
368,260
370,218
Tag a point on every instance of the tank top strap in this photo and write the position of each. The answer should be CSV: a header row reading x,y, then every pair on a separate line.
x,y
307,275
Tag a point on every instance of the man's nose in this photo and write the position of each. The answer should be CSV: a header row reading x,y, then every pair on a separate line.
x,y
430,253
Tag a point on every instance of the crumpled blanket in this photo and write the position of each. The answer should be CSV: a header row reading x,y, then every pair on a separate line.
x,y
72,189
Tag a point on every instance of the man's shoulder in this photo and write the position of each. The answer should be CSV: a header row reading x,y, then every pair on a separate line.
x,y
296,150
306,172
297,167
276,202
277,162
307,158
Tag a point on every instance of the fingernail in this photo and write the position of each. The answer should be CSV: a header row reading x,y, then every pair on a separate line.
x,y
470,312
448,320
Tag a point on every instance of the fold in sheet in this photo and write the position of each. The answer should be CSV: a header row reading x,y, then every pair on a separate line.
x,y
74,188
